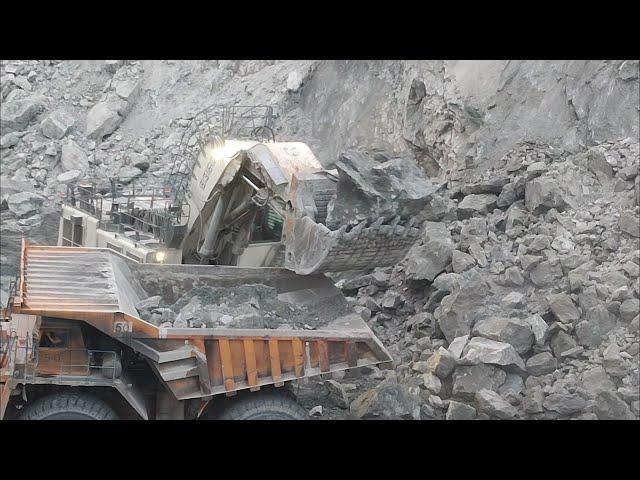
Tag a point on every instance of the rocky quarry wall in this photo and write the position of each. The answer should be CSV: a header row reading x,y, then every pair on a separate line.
x,y
520,301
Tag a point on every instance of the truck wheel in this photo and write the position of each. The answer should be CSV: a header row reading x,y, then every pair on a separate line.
x,y
263,406
68,406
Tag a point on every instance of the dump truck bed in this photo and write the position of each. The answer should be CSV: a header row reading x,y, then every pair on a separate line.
x,y
102,288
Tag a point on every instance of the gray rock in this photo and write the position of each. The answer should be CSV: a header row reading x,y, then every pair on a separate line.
x,y
596,380
461,261
467,380
456,347
10,139
563,308
112,66
513,300
546,274
598,323
561,342
16,114
476,205
73,157
457,311
388,400
539,328
102,120
441,363
613,362
597,163
484,350
57,124
609,406
431,383
629,223
514,331
337,393
564,403
533,401
460,411
489,402
127,89
149,303
127,173
542,194
541,364
629,309
24,204
429,260
69,177
512,388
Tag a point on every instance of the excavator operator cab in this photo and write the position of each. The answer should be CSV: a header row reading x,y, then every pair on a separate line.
x,y
267,226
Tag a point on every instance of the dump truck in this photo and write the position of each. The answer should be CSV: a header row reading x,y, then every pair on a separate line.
x,y
73,344
234,196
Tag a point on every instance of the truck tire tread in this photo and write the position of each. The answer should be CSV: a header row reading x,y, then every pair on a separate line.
x,y
59,403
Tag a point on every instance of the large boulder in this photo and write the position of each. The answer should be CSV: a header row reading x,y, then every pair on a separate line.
x,y
24,204
467,380
460,411
494,405
541,364
73,157
103,119
428,261
16,114
609,406
565,403
484,350
476,205
441,362
542,194
629,223
57,124
563,308
457,311
389,400
514,331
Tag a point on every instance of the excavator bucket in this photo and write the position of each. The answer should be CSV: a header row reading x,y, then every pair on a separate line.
x,y
313,248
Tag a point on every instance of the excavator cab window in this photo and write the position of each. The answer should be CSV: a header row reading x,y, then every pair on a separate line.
x,y
267,226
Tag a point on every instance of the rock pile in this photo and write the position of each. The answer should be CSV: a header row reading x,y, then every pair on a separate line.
x,y
527,305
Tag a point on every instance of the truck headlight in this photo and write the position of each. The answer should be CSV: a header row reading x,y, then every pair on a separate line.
x,y
160,256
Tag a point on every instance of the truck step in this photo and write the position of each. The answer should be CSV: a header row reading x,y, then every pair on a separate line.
x,y
178,369
159,356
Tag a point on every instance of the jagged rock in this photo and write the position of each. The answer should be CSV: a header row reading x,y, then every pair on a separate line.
x,y
127,173
441,363
69,177
461,261
429,260
564,403
102,120
533,401
494,405
546,274
561,342
447,282
10,139
460,411
73,157
613,362
457,311
467,380
514,331
388,400
541,364
598,323
392,300
596,380
476,205
629,309
609,406
431,383
57,124
127,89
597,163
542,194
24,204
484,350
563,308
539,328
338,393
513,300
456,347
16,114
112,66
149,303
629,223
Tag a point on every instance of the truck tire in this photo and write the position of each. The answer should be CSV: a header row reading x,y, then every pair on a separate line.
x,y
263,406
68,406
